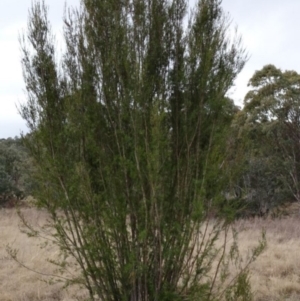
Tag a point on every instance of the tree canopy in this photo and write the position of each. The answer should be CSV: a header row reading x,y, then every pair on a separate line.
x,y
269,127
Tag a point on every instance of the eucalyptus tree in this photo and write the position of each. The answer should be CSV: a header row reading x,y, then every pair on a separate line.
x,y
270,123
124,132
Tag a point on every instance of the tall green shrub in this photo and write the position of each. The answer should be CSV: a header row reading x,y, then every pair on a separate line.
x,y
124,133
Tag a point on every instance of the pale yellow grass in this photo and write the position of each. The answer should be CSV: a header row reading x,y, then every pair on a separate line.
x,y
275,275
18,283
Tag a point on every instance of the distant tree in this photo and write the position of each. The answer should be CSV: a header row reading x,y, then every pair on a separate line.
x,y
126,137
270,122
14,169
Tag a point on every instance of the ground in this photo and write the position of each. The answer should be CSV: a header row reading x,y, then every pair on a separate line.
x,y
275,275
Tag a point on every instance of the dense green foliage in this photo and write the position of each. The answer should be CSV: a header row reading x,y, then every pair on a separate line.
x,y
15,169
269,130
129,138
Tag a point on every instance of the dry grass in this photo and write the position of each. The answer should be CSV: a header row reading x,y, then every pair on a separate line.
x,y
16,282
274,276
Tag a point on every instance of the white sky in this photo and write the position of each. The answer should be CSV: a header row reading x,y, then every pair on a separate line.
x,y
269,29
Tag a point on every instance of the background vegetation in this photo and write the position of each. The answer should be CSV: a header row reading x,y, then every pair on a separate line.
x,y
15,169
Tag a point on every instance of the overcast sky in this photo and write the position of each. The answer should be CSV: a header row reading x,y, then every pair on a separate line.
x,y
269,29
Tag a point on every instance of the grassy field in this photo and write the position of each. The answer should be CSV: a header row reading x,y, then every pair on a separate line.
x,y
21,284
275,275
